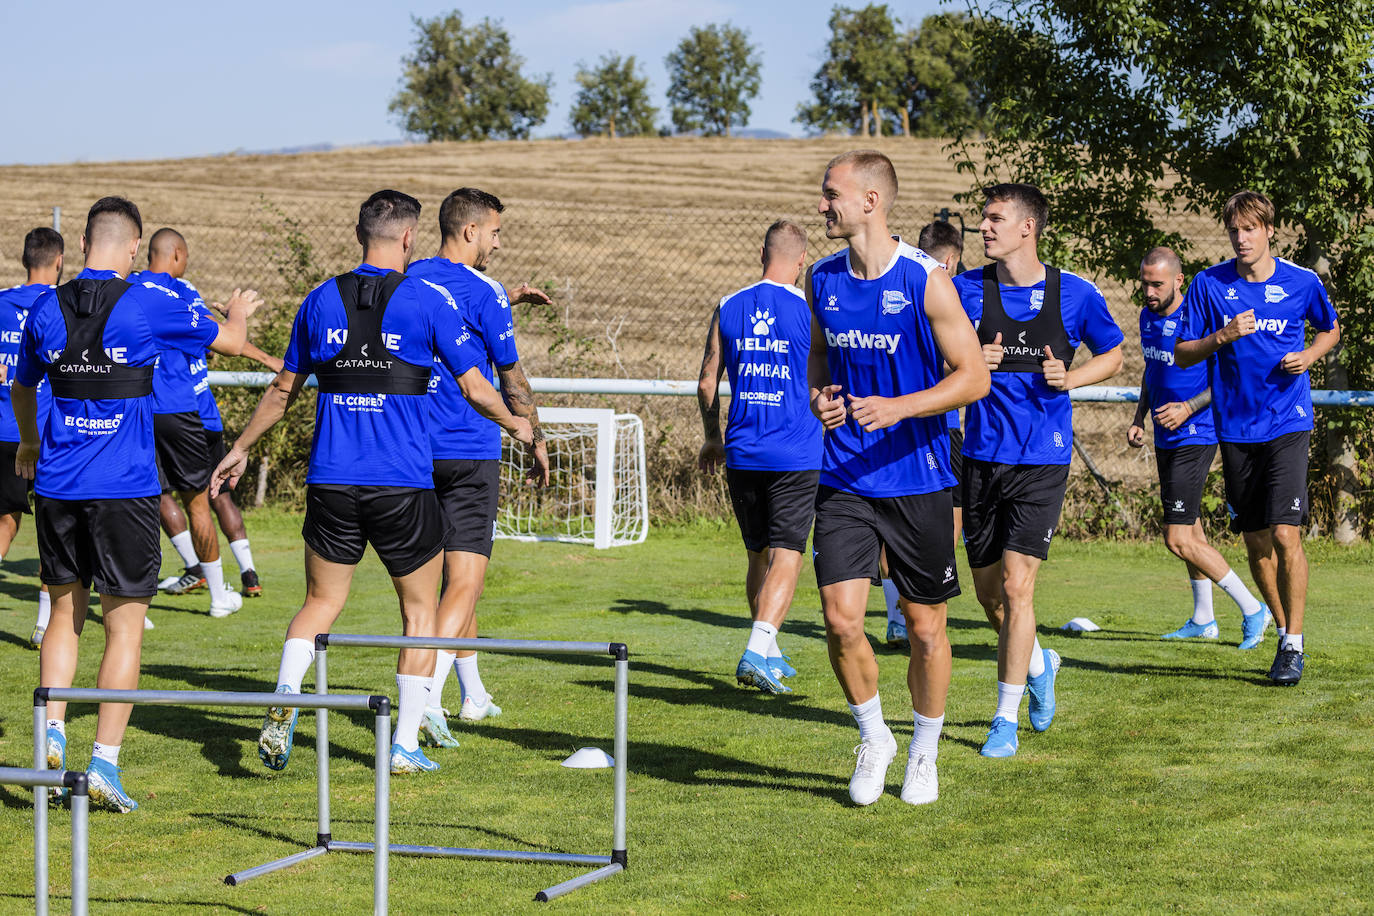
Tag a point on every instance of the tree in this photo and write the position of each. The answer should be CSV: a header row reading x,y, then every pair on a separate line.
x,y
613,100
940,93
465,84
860,75
1127,110
712,75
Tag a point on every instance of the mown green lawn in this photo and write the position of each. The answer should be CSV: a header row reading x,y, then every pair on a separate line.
x,y
1174,777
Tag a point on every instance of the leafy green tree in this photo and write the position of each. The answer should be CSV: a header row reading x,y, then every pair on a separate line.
x,y
1128,110
463,83
940,93
712,75
861,75
613,100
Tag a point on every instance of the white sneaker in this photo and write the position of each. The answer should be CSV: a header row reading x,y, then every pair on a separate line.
x,y
148,624
870,770
922,783
233,601
168,582
473,712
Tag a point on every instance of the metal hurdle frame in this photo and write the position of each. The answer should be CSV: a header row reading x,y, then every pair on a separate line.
x,y
42,779
380,705
616,862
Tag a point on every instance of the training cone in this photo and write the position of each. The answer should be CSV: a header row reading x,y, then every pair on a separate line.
x,y
1080,625
589,758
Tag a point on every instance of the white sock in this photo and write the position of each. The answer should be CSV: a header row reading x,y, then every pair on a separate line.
x,y
187,550
44,609
243,554
869,715
1293,641
762,638
469,681
1009,700
926,740
1037,661
106,752
414,695
58,724
213,570
894,613
1202,601
1283,631
443,667
773,650
296,657
1231,585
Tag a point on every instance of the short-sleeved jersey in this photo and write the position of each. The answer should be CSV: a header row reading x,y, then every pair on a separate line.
x,y
879,342
103,449
456,429
378,439
199,369
765,333
1022,420
1165,382
15,304
173,389
1253,398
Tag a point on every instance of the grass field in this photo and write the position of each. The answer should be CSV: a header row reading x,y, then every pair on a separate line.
x,y
1173,779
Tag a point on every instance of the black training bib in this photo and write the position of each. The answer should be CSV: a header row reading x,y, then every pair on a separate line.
x,y
1024,342
84,370
365,365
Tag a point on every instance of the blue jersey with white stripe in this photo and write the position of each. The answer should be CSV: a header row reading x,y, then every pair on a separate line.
x,y
1166,383
765,333
199,369
879,342
173,389
15,303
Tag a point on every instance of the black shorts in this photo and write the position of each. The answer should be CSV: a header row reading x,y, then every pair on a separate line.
x,y
1010,507
113,543
214,446
183,463
956,463
1266,482
403,524
14,490
773,508
918,532
1182,475
468,491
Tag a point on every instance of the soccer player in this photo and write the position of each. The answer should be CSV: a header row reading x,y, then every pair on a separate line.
x,y
1018,440
885,321
466,445
1251,314
42,261
371,337
761,336
96,339
1178,401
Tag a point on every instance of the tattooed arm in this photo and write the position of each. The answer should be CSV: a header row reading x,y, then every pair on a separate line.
x,y
519,397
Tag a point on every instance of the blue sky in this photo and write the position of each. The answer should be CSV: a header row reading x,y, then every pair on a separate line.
x,y
97,81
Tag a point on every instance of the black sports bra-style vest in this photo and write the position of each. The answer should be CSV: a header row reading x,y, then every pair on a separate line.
x,y
1024,342
365,365
83,369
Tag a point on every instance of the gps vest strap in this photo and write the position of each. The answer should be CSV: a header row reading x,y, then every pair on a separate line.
x,y
365,365
1024,342
83,369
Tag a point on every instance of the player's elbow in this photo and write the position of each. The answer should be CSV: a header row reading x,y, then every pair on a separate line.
x,y
1111,362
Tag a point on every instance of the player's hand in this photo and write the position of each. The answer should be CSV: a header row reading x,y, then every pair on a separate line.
x,y
229,471
526,293
1135,436
1241,326
711,456
874,412
1172,415
993,352
538,474
4,373
520,430
1292,363
26,459
828,407
1056,373
246,299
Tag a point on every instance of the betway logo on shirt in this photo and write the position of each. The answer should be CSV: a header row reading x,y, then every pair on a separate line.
x,y
1272,325
862,340
1158,355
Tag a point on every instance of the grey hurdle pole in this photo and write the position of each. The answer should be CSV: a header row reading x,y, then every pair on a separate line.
x,y
42,778
81,806
322,836
40,807
383,812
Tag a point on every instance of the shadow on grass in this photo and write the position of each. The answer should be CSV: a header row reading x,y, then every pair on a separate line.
x,y
1137,669
803,628
429,830
143,901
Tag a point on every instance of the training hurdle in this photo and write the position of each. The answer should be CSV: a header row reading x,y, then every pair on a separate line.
x,y
609,865
378,704
42,779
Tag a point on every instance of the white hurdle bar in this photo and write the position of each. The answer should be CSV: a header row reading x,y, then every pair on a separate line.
x,y
380,705
616,862
42,779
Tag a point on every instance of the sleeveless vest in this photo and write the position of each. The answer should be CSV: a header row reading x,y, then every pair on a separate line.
x,y
83,369
1024,342
365,365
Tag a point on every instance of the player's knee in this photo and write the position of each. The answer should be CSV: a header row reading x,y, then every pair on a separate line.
x,y
1018,587
927,633
844,626
1287,538
1177,539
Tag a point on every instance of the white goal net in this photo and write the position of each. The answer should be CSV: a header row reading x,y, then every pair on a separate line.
x,y
597,491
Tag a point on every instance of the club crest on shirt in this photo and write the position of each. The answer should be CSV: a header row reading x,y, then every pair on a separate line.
x,y
1274,293
1169,327
894,301
1037,299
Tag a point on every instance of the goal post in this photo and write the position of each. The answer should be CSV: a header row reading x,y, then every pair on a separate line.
x,y
597,492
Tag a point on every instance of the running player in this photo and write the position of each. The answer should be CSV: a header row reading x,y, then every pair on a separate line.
x,y
761,336
42,261
885,321
467,445
1019,439
1252,312
1179,401
371,337
96,339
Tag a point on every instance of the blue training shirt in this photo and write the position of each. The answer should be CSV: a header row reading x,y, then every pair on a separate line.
x,y
1022,420
1253,398
378,439
879,342
103,449
173,389
1165,382
765,332
15,304
199,369
456,429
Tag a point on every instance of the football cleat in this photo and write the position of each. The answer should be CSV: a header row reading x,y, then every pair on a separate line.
x,y
105,789
190,581
896,635
36,637
921,785
278,730
1002,740
1287,669
753,671
434,729
1041,690
1252,627
252,588
472,711
233,601
403,761
167,583
781,666
57,760
1192,630
870,769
